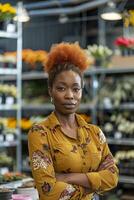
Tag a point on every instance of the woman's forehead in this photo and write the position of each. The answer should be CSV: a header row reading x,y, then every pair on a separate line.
x,y
68,77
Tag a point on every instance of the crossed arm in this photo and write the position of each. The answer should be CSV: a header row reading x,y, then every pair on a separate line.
x,y
81,178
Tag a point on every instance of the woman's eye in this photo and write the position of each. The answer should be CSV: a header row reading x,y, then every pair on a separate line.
x,y
60,88
76,89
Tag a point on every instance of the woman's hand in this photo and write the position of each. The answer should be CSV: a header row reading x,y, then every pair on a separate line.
x,y
71,179
61,177
107,163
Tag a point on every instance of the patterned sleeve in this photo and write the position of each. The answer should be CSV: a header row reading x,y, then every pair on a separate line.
x,y
107,179
43,170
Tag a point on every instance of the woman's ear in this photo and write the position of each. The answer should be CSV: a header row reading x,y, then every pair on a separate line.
x,y
50,94
50,91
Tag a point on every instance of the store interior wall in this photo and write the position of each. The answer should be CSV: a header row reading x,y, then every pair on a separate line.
x,y
41,32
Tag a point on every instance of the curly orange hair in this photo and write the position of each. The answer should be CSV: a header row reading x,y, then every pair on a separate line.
x,y
67,53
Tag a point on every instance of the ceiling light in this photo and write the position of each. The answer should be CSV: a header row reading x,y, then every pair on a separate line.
x,y
22,15
111,12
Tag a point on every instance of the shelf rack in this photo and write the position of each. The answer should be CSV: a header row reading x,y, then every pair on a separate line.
x,y
126,179
9,107
122,141
4,71
101,70
16,73
8,35
95,73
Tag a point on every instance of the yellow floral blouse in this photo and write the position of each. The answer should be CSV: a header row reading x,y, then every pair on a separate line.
x,y
51,151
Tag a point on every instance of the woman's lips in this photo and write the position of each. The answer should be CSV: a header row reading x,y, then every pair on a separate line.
x,y
69,106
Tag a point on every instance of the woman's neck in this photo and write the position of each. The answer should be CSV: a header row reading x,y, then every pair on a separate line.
x,y
66,120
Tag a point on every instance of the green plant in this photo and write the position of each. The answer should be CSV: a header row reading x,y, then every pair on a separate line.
x,y
99,51
100,54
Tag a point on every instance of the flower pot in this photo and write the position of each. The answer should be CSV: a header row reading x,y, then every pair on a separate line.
x,y
6,194
7,25
21,197
124,52
98,62
1,25
31,191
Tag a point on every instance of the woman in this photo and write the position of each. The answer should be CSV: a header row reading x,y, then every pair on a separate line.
x,y
70,159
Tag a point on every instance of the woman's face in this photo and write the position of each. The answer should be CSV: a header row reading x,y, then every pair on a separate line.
x,y
66,92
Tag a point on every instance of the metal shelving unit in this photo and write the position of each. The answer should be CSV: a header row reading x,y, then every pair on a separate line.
x,y
10,144
8,71
124,141
111,71
4,34
25,76
16,73
126,179
9,107
95,75
124,106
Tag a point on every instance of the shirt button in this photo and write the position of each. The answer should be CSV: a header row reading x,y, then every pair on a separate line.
x,y
82,157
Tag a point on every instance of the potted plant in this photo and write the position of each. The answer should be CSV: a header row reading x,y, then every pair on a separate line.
x,y
6,193
126,45
100,53
7,12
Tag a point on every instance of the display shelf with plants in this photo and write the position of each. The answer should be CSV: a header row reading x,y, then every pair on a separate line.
x,y
13,179
125,161
114,114
10,93
113,97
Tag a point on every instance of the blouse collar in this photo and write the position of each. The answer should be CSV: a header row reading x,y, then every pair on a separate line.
x,y
52,122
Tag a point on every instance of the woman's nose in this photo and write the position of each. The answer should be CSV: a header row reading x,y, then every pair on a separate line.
x,y
69,93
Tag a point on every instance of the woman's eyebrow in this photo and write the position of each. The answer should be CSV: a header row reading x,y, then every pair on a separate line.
x,y
63,83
